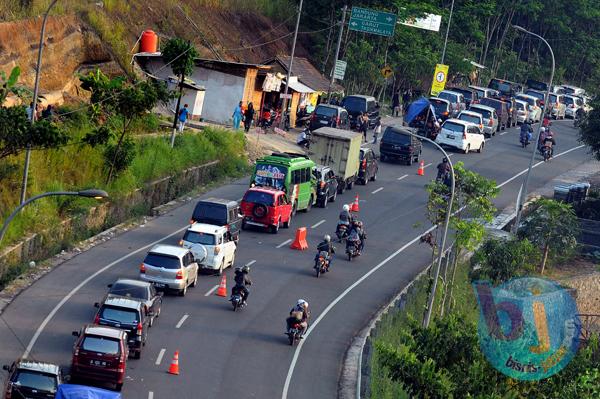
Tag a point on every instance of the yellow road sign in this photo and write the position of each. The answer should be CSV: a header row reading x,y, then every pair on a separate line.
x,y
387,71
439,79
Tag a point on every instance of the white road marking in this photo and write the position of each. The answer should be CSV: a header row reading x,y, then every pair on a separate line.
x,y
290,372
150,395
402,177
209,293
160,357
286,242
428,165
314,226
183,319
250,263
503,133
376,191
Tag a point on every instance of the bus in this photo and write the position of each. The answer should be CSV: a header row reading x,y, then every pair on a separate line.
x,y
291,173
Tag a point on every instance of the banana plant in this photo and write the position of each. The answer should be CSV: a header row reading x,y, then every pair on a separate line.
x,y
9,85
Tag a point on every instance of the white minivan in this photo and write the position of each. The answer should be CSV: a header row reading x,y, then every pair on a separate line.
x,y
462,135
210,245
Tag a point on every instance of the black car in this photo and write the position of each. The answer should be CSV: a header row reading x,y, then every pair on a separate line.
x,y
140,290
30,379
128,314
219,212
368,165
398,143
357,104
329,115
471,96
327,185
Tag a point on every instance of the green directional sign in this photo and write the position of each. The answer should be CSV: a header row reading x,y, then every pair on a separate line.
x,y
372,21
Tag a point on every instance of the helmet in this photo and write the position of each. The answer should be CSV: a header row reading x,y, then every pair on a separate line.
x,y
542,129
238,269
246,269
346,207
445,160
302,302
327,237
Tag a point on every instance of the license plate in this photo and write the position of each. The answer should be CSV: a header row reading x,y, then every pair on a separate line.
x,y
159,285
323,122
450,137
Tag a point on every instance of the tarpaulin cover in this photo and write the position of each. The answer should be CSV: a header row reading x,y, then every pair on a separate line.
x,y
416,108
70,391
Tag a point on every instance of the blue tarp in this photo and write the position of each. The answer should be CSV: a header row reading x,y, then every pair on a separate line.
x,y
416,108
71,391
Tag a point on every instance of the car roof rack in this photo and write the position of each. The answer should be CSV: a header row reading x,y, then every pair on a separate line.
x,y
289,155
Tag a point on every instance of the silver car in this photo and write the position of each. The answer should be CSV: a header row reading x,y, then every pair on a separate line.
x,y
170,268
556,104
522,111
491,123
573,103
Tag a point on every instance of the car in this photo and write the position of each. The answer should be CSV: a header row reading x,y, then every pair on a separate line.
x,y
491,122
219,212
329,115
522,111
536,85
462,135
31,379
512,112
533,106
140,290
442,107
501,108
572,103
399,143
266,207
357,104
506,88
169,267
556,104
537,94
128,314
211,246
368,165
456,100
484,92
573,90
100,353
473,117
327,185
470,94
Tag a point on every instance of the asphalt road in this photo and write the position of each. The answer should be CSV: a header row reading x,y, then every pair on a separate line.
x,y
245,354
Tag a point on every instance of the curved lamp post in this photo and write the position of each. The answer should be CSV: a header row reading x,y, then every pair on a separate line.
x,y
91,193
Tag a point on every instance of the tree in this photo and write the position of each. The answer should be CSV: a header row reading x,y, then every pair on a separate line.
x,y
180,55
589,134
499,260
9,84
553,227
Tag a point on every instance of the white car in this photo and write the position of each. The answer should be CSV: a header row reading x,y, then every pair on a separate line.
x,y
522,111
484,92
573,103
557,105
210,245
473,117
456,100
170,268
462,135
534,107
491,122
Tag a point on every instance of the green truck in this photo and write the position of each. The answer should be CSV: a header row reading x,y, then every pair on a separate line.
x,y
340,150
291,173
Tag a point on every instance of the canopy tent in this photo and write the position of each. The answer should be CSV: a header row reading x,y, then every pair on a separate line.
x,y
416,108
71,391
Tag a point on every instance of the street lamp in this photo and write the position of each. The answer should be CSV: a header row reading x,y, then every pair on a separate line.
x,y
523,192
91,193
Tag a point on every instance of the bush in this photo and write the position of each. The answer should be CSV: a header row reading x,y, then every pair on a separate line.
x,y
500,260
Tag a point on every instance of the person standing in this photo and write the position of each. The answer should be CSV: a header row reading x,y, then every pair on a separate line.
x,y
364,125
29,111
237,116
376,131
406,99
248,117
183,117
396,103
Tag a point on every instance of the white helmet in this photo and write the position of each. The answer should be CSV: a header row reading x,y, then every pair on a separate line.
x,y
346,208
542,129
327,237
302,302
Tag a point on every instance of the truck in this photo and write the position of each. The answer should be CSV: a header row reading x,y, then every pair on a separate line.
x,y
340,150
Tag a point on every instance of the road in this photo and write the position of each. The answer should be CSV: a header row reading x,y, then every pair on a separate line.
x,y
223,354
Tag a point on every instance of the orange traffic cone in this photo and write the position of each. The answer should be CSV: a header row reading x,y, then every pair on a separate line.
x,y
354,207
421,170
174,367
222,291
300,240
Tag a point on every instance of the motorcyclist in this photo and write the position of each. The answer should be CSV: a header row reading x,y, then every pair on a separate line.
x,y
443,169
357,235
549,142
242,280
543,133
345,216
526,131
302,139
299,313
326,246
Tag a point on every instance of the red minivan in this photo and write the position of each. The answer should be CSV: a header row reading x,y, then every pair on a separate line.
x,y
100,354
266,207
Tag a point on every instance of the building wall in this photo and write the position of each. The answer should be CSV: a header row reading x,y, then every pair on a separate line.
x,y
222,95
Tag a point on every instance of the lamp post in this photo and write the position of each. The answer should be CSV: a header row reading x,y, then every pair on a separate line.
x,y
523,192
91,193
447,32
289,72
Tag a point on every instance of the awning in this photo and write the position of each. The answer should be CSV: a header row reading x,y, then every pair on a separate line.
x,y
416,108
299,87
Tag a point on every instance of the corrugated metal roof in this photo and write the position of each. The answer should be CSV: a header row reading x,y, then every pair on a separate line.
x,y
306,73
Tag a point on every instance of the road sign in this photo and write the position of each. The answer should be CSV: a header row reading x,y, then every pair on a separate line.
x,y
387,71
439,79
340,70
372,21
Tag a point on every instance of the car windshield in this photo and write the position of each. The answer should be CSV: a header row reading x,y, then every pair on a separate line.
x,y
520,106
448,96
391,136
536,94
502,87
206,212
569,90
553,98
196,237
354,104
318,174
96,344
439,106
133,291
487,114
161,260
569,100
259,197
270,176
497,105
528,100
326,111
469,118
121,315
35,380
481,93
452,126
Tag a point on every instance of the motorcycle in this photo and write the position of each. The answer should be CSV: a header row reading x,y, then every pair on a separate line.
x,y
341,232
352,249
294,332
546,152
524,141
322,263
237,301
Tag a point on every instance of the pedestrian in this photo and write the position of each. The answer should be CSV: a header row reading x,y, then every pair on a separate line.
x,y
396,103
364,124
29,111
248,117
376,131
237,116
183,117
48,112
406,99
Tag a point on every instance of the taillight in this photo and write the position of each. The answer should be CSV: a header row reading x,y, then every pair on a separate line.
x,y
464,135
181,243
481,127
364,163
97,319
142,268
121,366
445,113
491,122
337,121
228,227
139,328
191,221
322,184
75,356
217,250
179,275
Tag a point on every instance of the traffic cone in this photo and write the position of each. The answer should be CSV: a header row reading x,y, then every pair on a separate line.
x,y
300,240
421,170
222,291
354,207
174,367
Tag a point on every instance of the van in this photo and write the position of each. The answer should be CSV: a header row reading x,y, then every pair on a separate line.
x,y
501,108
329,115
506,88
219,212
357,104
290,173
399,143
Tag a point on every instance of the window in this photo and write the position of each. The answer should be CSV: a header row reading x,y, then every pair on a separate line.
x,y
344,117
470,118
354,104
296,176
329,112
454,127
370,106
259,197
120,315
330,174
189,259
206,212
196,237
134,291
161,260
100,345
304,175
35,380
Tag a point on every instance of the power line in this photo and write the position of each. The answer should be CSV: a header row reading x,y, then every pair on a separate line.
x,y
281,38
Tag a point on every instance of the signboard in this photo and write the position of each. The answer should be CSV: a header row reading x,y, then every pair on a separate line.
x,y
430,22
387,71
286,96
439,79
340,70
272,83
372,21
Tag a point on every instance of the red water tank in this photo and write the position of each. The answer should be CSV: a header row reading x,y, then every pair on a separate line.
x,y
149,42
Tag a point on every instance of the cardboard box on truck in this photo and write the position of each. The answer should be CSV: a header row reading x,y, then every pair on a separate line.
x,y
338,149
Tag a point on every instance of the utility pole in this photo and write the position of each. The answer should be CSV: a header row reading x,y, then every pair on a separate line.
x,y
447,31
176,118
337,53
289,74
